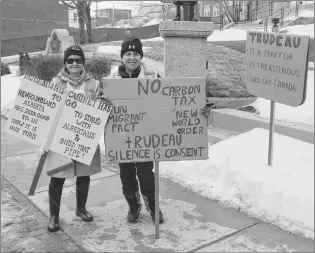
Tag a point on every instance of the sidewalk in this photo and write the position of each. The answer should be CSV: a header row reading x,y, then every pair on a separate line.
x,y
193,223
23,226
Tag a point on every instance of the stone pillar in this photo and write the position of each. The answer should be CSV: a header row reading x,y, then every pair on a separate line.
x,y
184,47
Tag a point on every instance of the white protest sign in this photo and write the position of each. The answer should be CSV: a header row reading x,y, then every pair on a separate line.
x,y
80,127
276,66
156,120
35,109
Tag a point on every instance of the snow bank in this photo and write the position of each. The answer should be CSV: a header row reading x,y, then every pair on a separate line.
x,y
237,174
10,85
301,30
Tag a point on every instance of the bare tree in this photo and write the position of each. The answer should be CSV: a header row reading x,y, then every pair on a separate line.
x,y
84,15
231,12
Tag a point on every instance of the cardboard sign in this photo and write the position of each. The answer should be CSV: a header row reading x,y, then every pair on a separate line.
x,y
276,66
156,120
34,110
80,127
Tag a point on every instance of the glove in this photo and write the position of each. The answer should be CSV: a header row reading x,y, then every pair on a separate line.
x,y
207,110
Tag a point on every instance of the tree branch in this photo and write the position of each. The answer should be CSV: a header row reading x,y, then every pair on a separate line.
x,y
69,5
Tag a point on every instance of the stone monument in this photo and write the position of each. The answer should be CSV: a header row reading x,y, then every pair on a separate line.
x,y
58,42
184,47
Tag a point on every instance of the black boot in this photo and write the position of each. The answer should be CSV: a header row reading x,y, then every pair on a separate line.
x,y
149,202
134,203
83,185
55,191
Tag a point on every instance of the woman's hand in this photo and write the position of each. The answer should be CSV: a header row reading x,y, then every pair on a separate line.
x,y
207,110
105,100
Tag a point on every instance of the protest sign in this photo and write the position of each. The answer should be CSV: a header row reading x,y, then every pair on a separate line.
x,y
80,126
35,109
276,66
156,120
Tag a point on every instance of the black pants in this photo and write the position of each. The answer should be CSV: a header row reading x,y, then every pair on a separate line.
x,y
128,176
58,182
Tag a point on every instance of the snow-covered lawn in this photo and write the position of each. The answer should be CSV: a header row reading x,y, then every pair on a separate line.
x,y
225,35
307,30
237,174
240,34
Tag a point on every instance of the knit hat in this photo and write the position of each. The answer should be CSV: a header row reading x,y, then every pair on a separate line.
x,y
74,50
131,44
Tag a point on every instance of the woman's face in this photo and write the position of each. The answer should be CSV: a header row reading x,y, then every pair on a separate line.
x,y
131,60
74,64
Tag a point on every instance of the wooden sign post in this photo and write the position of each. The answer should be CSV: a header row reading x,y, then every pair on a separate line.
x,y
157,199
156,120
276,69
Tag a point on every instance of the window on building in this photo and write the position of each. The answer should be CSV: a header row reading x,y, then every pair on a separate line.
x,y
75,17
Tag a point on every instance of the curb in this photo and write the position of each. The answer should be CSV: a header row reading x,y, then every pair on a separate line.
x,y
233,103
239,121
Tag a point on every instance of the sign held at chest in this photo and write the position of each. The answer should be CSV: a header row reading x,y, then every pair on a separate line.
x,y
156,120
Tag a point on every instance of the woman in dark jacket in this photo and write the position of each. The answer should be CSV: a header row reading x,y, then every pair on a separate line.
x,y
132,67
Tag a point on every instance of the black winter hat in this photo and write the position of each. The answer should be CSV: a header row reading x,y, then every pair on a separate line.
x,y
131,44
73,50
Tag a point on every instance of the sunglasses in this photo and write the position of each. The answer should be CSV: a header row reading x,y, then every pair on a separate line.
x,y
71,61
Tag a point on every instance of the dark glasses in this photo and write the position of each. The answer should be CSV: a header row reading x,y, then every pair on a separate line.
x,y
71,61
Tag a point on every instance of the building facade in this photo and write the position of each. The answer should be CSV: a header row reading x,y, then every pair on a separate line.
x,y
29,18
111,16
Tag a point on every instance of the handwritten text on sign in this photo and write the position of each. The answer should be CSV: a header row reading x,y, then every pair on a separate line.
x,y
156,120
80,126
276,66
34,110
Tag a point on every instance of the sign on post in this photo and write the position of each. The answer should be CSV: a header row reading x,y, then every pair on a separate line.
x,y
34,110
156,120
276,69
80,126
276,66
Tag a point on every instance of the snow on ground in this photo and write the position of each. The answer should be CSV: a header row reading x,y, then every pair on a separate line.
x,y
225,35
12,221
10,85
154,21
240,34
301,30
237,174
301,114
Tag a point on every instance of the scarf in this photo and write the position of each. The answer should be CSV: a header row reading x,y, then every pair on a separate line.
x,y
122,72
74,82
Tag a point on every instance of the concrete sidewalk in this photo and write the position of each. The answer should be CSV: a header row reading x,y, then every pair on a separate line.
x,y
193,223
23,226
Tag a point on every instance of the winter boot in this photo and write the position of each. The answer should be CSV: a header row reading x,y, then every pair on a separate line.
x,y
135,206
83,185
149,202
55,191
